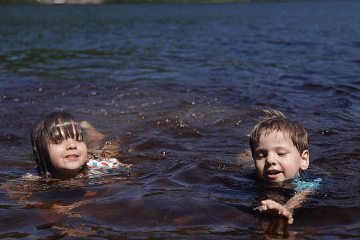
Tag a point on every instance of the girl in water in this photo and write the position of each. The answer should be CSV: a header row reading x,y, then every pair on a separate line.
x,y
60,150
63,161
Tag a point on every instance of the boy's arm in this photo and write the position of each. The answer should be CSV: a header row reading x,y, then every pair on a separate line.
x,y
274,208
297,200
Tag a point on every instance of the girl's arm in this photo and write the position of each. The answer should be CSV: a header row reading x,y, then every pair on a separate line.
x,y
93,137
91,133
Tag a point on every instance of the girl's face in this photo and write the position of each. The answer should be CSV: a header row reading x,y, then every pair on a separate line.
x,y
68,156
277,159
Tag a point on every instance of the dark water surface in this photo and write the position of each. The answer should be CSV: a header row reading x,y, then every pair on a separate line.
x,y
180,86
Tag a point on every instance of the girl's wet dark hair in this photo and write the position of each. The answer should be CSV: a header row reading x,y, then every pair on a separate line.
x,y
53,128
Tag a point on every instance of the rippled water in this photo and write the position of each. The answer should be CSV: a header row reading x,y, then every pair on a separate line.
x,y
180,86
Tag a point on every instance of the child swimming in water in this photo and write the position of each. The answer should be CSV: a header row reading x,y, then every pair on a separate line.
x,y
63,160
279,147
60,150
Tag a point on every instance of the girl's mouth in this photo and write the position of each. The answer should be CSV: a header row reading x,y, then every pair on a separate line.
x,y
72,157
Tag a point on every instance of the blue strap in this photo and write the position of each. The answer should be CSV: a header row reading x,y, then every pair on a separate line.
x,y
302,185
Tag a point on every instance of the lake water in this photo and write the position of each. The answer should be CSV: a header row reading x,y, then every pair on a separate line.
x,y
180,87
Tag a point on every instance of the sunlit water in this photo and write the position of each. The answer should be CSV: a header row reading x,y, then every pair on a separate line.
x,y
180,86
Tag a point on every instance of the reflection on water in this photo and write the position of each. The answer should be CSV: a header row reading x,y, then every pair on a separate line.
x,y
180,86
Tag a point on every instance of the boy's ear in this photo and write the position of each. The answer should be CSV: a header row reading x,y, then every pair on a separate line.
x,y
305,157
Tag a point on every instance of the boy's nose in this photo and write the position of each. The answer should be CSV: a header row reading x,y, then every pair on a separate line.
x,y
271,159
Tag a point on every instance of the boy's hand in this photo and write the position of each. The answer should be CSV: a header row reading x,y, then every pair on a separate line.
x,y
276,209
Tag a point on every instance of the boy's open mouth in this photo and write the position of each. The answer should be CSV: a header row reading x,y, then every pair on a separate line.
x,y
273,173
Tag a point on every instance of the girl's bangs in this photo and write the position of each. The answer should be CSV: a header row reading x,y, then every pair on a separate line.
x,y
60,131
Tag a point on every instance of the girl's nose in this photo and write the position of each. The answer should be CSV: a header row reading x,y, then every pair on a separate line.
x,y
71,143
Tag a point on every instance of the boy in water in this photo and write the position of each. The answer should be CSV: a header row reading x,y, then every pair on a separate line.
x,y
279,147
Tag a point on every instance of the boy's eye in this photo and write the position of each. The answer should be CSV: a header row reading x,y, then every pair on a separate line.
x,y
281,154
260,156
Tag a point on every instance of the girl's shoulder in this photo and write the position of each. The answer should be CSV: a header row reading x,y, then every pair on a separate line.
x,y
107,163
30,176
100,164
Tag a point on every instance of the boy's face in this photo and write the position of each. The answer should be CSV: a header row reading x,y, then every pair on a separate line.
x,y
277,159
68,156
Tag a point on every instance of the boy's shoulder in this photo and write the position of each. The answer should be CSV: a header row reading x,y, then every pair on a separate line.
x,y
303,185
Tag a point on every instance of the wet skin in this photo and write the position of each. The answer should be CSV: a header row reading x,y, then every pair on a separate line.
x,y
68,156
277,159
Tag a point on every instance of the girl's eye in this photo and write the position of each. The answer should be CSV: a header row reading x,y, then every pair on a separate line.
x,y
260,156
281,154
57,141
79,139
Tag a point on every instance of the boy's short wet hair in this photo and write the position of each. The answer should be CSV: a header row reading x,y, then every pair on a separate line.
x,y
53,128
277,121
